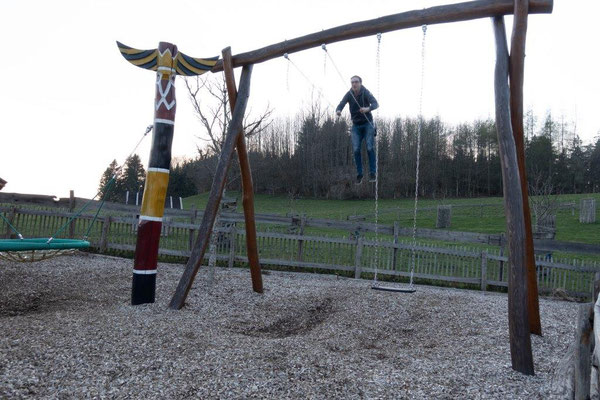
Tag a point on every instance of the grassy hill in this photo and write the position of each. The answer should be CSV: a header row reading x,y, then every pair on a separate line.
x,y
485,215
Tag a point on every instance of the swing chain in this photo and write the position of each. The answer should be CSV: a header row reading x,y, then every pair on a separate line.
x,y
419,129
377,62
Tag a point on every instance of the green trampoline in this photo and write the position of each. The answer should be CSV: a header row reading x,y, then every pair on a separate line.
x,y
39,248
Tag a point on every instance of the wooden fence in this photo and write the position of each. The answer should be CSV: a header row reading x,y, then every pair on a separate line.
x,y
356,227
356,256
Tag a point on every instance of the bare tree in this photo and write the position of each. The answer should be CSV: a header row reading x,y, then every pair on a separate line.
x,y
211,104
544,204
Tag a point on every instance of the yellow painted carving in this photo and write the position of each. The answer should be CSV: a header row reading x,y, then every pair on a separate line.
x,y
155,192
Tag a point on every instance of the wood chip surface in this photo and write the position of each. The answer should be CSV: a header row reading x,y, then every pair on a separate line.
x,y
67,331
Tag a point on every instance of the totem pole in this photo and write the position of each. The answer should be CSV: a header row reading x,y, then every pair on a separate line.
x,y
167,62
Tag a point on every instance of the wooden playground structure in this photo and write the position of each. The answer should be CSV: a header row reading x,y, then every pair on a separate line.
x,y
508,82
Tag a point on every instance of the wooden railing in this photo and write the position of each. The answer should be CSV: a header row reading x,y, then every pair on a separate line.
x,y
23,201
356,256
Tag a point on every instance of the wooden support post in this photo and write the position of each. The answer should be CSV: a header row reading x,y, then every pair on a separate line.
x,y
518,318
517,67
232,233
247,189
300,241
584,339
395,251
11,218
216,191
71,208
596,353
484,271
502,244
358,257
192,230
104,235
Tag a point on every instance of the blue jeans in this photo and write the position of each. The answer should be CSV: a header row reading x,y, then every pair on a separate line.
x,y
367,133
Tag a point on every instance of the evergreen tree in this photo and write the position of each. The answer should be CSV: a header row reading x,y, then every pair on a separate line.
x,y
133,175
594,167
111,193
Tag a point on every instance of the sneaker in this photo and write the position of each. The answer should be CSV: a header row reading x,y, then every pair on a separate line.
x,y
372,177
359,179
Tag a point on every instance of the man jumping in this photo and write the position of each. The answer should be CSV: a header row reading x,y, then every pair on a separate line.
x,y
362,102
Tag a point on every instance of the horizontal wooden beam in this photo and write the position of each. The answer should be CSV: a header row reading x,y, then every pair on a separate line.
x,y
434,15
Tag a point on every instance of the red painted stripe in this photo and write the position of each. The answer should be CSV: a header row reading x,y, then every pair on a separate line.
x,y
146,249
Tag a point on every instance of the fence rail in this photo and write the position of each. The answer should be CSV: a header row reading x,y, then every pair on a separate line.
x,y
358,255
356,226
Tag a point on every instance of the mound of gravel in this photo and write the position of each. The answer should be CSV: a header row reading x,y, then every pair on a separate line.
x,y
67,331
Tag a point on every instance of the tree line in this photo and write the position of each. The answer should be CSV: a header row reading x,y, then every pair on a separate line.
x,y
311,155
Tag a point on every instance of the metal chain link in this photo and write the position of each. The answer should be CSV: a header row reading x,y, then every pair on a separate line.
x,y
419,128
310,82
378,67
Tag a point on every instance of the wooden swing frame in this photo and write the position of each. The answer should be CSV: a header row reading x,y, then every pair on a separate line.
x,y
522,283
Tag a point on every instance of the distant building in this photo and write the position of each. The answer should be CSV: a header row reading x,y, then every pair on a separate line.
x,y
2,183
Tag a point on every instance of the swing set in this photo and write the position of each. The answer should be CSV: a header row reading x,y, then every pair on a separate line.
x,y
376,285
523,309
168,62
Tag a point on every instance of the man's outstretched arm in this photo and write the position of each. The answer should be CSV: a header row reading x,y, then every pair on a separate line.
x,y
342,104
373,104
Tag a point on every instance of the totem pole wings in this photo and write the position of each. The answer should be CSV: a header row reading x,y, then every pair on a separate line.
x,y
152,59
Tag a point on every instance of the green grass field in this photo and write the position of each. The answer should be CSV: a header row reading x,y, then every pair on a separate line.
x,y
471,219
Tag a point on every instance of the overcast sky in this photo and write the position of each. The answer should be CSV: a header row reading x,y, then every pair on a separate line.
x,y
72,104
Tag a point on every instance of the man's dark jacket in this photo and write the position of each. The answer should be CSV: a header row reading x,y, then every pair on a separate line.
x,y
363,99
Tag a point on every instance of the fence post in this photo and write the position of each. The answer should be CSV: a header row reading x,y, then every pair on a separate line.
x,y
583,352
500,276
300,241
587,211
484,271
357,258
232,233
596,289
104,237
71,208
11,219
192,230
444,217
395,252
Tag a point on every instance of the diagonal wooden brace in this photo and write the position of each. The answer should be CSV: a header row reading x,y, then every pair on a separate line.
x,y
235,129
247,191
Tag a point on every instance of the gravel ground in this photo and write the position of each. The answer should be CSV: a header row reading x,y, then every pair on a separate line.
x,y
67,331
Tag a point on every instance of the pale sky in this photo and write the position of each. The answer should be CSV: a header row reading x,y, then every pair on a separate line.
x,y
72,104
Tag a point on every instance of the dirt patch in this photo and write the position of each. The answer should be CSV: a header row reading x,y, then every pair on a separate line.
x,y
21,306
298,321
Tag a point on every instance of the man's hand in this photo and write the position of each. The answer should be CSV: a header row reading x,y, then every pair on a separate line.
x,y
338,113
364,110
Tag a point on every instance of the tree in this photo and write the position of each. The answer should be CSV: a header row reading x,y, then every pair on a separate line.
x,y
210,101
540,157
181,179
114,191
134,175
594,167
